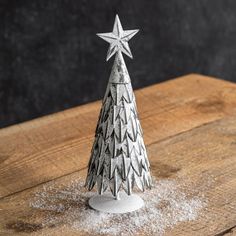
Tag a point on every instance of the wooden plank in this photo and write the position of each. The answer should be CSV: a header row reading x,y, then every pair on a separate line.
x,y
201,160
44,149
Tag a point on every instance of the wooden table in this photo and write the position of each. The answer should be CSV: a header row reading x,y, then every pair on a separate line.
x,y
189,128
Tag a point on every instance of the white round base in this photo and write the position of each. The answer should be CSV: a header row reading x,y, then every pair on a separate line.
x,y
107,203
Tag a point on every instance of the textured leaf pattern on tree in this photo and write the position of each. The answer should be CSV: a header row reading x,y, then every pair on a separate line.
x,y
118,157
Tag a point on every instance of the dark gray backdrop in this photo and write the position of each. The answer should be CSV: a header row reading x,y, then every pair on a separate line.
x,y
51,59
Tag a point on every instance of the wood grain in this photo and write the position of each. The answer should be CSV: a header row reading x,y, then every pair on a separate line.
x,y
201,160
190,130
47,148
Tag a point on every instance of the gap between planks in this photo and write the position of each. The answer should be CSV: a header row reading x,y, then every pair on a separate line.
x,y
211,99
228,231
81,169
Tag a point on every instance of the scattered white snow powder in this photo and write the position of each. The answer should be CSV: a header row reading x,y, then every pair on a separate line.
x,y
166,205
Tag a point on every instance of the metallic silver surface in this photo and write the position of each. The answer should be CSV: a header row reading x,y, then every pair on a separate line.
x,y
118,39
118,157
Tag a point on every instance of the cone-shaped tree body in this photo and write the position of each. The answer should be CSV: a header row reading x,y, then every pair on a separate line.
x,y
118,157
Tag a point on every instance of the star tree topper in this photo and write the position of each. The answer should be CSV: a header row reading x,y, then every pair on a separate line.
x,y
118,39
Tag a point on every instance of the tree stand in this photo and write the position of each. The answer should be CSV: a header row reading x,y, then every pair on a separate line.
x,y
122,204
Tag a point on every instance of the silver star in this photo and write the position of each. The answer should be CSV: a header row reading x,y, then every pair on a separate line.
x,y
118,39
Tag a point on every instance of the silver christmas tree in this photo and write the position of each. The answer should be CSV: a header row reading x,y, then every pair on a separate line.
x,y
118,157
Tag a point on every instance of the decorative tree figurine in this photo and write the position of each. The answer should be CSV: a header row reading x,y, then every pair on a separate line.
x,y
118,157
